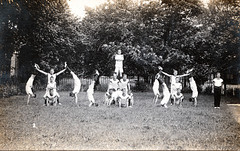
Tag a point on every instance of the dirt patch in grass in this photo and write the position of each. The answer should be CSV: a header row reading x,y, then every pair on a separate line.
x,y
145,126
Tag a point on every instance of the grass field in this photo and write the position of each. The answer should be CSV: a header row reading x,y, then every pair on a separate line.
x,y
145,126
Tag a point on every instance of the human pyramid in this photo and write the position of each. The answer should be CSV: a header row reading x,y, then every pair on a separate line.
x,y
119,92
175,92
51,97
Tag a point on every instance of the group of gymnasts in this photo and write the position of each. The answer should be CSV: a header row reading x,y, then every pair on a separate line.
x,y
174,94
119,91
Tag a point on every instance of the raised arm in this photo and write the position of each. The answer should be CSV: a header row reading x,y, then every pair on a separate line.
x,y
183,75
166,74
39,70
60,72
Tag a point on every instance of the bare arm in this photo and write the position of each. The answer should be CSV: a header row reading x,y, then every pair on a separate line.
x,y
128,86
60,72
183,75
69,69
41,71
166,74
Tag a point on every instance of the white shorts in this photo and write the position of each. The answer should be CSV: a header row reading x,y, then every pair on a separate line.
x,y
195,94
29,91
116,94
166,98
90,97
119,69
55,93
156,92
76,89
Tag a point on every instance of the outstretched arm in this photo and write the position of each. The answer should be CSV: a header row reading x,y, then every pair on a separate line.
x,y
69,69
166,74
60,72
39,70
183,75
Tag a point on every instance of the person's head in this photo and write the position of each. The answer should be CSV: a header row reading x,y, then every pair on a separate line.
x,y
175,72
119,51
96,72
160,68
34,96
51,79
51,71
124,91
157,76
124,76
71,94
218,75
51,92
177,79
110,91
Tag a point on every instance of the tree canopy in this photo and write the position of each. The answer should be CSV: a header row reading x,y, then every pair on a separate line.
x,y
175,34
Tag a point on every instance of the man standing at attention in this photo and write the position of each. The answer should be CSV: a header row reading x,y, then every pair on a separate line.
x,y
217,83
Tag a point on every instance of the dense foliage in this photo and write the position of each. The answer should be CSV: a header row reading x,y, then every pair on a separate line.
x,y
174,34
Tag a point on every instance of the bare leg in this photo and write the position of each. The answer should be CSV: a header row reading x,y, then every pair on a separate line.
x,y
195,102
156,99
119,101
120,74
45,101
76,98
131,101
90,104
28,98
174,100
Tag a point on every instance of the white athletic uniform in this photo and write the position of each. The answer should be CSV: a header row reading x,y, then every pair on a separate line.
x,y
178,85
193,87
55,94
173,85
119,63
116,94
113,84
166,94
53,86
51,75
178,97
77,83
218,82
124,84
124,99
156,87
90,92
29,86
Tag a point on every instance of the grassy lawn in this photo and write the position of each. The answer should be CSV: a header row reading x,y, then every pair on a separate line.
x,y
145,126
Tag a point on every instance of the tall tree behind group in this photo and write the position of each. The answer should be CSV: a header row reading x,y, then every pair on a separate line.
x,y
48,35
150,33
179,34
